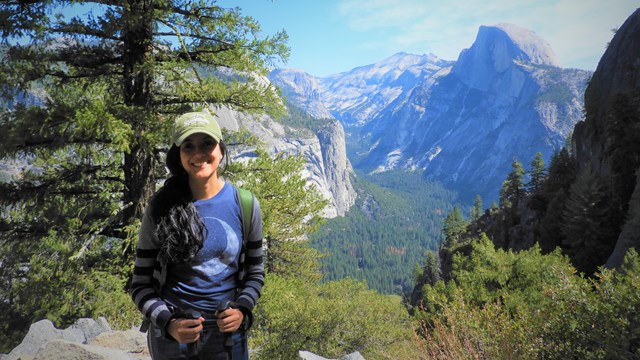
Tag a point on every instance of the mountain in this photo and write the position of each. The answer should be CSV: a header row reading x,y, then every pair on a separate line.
x,y
326,164
301,89
588,204
360,95
463,122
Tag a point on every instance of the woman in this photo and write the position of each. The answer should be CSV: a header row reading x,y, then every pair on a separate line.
x,y
194,280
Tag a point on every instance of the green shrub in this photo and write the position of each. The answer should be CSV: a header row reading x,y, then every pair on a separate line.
x,y
526,305
330,319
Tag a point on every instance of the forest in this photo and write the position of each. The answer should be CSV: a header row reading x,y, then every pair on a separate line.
x,y
86,103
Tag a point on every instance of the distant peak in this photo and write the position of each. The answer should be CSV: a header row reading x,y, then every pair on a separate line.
x,y
532,47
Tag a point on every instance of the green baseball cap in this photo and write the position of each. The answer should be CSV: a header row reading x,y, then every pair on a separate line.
x,y
195,122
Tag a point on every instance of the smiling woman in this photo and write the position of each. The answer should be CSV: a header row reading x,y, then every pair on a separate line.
x,y
191,254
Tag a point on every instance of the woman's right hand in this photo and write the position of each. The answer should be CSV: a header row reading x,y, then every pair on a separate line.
x,y
185,330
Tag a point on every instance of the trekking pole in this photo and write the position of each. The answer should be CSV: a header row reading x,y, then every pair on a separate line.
x,y
192,348
228,341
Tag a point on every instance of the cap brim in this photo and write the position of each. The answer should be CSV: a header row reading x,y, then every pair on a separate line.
x,y
188,133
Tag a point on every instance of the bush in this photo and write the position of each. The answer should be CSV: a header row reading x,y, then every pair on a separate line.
x,y
526,305
331,319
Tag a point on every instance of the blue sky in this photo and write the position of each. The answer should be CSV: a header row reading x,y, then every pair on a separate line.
x,y
331,36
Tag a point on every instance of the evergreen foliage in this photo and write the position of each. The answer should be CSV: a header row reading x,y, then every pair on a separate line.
x,y
622,141
332,319
290,211
477,210
500,304
585,226
87,105
386,233
513,187
537,174
454,227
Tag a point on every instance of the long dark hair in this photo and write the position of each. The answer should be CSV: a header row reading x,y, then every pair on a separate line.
x,y
179,225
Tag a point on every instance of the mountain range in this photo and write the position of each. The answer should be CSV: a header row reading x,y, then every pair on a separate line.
x,y
460,122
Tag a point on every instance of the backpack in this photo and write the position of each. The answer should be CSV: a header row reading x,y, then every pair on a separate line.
x,y
245,199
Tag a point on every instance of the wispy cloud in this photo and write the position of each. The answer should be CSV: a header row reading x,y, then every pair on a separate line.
x,y
576,30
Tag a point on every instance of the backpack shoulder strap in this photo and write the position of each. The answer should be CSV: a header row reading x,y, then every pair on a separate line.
x,y
245,199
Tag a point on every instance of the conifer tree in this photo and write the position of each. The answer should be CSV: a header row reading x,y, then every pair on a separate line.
x,y
513,187
477,209
622,141
562,172
291,211
584,226
550,227
88,103
454,227
537,174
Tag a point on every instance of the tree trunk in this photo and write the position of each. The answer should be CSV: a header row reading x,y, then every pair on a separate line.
x,y
139,164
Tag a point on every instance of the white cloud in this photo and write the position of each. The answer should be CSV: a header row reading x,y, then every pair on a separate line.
x,y
577,31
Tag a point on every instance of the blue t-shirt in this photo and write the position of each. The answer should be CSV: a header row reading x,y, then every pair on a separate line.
x,y
211,276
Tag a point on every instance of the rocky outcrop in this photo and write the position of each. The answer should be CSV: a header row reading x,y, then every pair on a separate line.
x,y
327,167
86,339
615,84
90,339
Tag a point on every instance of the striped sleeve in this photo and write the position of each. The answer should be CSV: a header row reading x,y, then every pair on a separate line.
x,y
146,274
253,262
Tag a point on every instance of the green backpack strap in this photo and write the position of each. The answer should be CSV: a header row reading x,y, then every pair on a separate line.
x,y
245,198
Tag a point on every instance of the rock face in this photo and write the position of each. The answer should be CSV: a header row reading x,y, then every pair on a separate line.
x,y
327,167
616,80
301,89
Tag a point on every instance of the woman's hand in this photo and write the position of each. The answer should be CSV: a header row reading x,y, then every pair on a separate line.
x,y
230,320
185,330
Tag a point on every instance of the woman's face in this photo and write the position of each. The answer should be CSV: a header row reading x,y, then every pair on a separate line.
x,y
200,156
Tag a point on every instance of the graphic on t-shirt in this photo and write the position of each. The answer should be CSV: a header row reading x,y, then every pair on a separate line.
x,y
220,248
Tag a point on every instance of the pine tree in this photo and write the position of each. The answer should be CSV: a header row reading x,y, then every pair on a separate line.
x,y
585,227
562,173
291,211
513,187
86,119
537,177
550,227
537,174
454,227
477,209
622,141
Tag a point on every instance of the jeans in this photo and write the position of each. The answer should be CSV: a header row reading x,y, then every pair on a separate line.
x,y
211,346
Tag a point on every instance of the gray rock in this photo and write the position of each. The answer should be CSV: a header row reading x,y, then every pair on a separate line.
x,y
353,356
63,349
306,355
133,342
40,333
44,341
86,329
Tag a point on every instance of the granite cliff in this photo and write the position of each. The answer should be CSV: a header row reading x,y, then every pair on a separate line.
x,y
608,140
327,167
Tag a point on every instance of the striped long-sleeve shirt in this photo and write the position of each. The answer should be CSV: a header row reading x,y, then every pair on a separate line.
x,y
150,272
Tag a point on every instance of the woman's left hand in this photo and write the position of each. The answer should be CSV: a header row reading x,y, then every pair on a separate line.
x,y
230,320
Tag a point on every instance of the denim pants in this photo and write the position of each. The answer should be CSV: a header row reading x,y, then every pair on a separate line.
x,y
211,346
